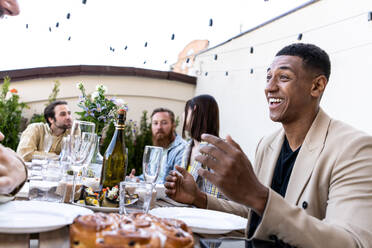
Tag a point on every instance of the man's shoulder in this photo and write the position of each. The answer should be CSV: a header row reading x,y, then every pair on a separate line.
x,y
178,142
345,133
37,126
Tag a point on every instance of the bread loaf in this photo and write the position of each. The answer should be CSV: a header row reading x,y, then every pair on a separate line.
x,y
134,230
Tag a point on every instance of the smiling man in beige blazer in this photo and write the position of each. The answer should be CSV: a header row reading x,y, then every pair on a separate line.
x,y
311,185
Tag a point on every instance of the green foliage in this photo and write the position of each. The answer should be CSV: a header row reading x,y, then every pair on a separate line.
x,y
97,108
37,118
10,112
51,98
136,138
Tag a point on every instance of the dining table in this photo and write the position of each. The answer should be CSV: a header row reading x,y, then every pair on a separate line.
x,y
60,237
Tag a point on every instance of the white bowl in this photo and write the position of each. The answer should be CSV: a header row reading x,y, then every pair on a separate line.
x,y
160,191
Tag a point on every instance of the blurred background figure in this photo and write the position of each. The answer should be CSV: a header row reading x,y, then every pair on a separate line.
x,y
201,116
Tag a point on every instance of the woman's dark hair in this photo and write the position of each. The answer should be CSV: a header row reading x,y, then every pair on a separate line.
x,y
204,118
49,110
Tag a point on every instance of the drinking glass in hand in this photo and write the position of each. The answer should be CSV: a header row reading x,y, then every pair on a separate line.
x,y
135,197
152,157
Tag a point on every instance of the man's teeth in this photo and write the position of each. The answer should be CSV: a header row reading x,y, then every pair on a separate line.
x,y
272,100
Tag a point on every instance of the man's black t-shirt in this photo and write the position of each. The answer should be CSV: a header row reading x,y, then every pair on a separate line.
x,y
279,184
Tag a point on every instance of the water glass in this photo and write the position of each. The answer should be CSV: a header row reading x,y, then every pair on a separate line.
x,y
152,157
49,187
135,197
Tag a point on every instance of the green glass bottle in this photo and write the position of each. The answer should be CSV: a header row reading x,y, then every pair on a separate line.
x,y
114,166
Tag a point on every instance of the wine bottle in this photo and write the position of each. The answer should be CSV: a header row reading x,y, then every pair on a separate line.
x,y
114,167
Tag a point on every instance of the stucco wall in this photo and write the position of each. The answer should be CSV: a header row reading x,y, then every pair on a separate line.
x,y
141,93
340,27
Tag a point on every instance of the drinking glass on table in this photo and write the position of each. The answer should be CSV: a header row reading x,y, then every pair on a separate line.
x,y
152,157
135,197
47,187
82,141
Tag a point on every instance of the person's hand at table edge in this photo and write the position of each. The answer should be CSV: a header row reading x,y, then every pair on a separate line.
x,y
232,172
12,171
181,187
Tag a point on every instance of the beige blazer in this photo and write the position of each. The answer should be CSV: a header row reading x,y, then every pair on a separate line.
x,y
328,202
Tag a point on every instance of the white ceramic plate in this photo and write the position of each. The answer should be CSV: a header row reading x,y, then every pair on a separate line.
x,y
102,209
203,220
98,209
37,216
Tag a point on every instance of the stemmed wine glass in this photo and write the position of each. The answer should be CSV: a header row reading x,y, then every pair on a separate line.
x,y
82,141
152,158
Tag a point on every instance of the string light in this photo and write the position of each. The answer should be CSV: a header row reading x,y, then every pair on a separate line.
x,y
251,47
285,37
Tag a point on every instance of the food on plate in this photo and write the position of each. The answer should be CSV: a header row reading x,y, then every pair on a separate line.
x,y
110,198
134,230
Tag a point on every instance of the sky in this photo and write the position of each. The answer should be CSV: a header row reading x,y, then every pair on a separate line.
x,y
98,31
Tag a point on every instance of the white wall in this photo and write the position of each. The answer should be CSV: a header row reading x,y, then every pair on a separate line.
x,y
340,27
139,92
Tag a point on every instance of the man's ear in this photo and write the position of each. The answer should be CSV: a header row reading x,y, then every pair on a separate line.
x,y
318,86
51,120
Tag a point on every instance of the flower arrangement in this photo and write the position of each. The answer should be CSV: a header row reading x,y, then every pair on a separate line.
x,y
10,112
97,108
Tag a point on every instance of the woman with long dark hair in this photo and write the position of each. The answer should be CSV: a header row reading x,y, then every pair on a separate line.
x,y
201,116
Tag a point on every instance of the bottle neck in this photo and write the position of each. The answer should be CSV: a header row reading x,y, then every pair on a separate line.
x,y
119,127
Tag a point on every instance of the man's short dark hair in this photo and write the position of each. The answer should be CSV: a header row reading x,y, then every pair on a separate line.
x,y
205,117
49,110
313,57
159,110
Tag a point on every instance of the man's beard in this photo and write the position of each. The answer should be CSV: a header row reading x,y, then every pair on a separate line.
x,y
163,141
63,126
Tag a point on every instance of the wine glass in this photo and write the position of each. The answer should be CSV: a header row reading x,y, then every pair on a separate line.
x,y
152,158
82,140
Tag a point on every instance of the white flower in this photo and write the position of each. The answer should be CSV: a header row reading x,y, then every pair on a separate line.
x,y
8,95
119,102
94,95
101,86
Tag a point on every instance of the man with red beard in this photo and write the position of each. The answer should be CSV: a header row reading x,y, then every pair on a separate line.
x,y
163,128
